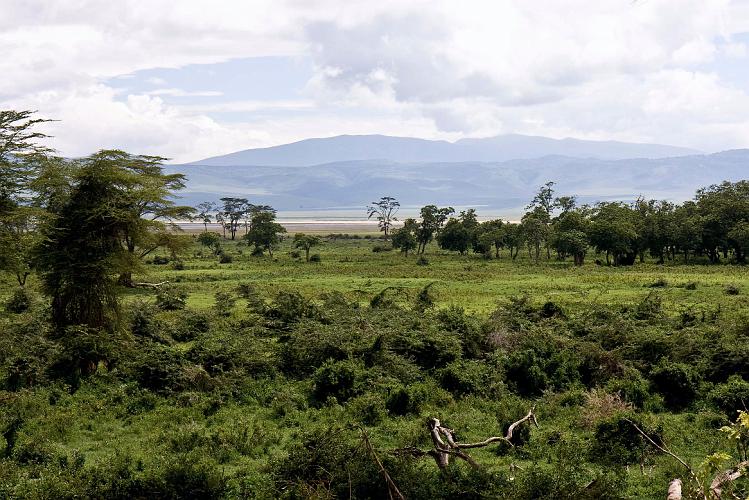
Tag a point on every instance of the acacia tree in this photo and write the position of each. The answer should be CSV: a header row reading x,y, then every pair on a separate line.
x,y
306,242
82,246
204,213
21,159
148,197
233,211
384,211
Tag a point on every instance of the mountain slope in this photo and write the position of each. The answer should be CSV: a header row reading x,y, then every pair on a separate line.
x,y
500,188
410,150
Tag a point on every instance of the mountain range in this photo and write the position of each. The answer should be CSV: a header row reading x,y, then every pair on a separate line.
x,y
337,177
410,150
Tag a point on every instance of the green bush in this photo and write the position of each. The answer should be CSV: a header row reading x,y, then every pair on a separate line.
x,y
337,379
676,382
171,299
617,442
224,303
731,396
19,302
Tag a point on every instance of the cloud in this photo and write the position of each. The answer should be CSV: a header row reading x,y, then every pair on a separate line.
x,y
646,70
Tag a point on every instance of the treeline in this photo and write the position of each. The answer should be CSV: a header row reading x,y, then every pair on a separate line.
x,y
714,225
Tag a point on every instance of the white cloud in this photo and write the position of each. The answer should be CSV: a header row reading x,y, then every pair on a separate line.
x,y
617,69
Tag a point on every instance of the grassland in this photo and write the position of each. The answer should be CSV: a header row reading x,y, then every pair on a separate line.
x,y
351,267
234,408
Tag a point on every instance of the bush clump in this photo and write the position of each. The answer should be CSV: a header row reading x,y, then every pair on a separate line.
x,y
171,299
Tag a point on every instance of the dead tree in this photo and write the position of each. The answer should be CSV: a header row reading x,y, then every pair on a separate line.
x,y
443,439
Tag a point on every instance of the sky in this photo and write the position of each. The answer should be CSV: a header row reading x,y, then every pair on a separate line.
x,y
193,79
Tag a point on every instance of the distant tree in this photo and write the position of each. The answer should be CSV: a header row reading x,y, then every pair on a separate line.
x,y
613,230
542,206
264,232
573,242
432,220
306,242
721,207
454,236
688,229
565,203
204,212
405,237
569,235
384,211
514,238
211,240
533,225
544,199
738,238
491,234
233,210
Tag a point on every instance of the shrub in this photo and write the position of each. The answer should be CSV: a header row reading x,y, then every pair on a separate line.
x,y
178,265
422,261
161,260
158,368
731,396
327,463
171,299
224,303
369,408
676,382
658,283
617,442
19,302
551,310
692,285
289,307
411,399
295,254
189,325
315,257
632,387
732,289
337,379
225,258
466,377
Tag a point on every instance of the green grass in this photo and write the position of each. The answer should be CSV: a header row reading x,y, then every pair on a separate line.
x,y
469,281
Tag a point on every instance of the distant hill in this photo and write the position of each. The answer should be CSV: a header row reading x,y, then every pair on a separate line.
x,y
495,188
410,150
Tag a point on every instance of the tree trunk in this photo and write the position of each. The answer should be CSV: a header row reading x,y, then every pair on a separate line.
x,y
306,254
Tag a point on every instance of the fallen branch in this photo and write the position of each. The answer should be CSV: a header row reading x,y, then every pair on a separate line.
x,y
727,477
393,491
443,439
151,285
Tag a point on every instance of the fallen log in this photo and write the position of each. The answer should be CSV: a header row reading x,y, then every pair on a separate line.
x,y
445,445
